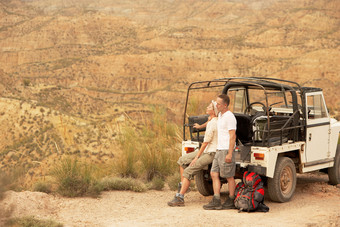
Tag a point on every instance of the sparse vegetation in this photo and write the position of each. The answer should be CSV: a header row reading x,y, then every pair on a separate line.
x,y
75,178
31,222
173,181
59,62
117,183
149,148
42,186
157,183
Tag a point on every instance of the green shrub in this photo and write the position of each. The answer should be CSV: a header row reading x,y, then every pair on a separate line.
x,y
157,183
75,178
31,222
116,183
42,186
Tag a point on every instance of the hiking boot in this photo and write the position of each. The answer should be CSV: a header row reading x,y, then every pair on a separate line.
x,y
176,202
228,204
215,204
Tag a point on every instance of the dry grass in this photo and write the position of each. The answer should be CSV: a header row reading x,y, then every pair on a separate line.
x,y
75,178
149,149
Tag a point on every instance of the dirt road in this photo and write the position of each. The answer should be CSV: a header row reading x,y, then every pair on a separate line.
x,y
315,204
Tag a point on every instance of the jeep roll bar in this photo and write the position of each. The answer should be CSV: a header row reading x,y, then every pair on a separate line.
x,y
265,84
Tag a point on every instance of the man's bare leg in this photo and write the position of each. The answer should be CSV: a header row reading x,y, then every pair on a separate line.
x,y
216,183
181,171
185,186
231,186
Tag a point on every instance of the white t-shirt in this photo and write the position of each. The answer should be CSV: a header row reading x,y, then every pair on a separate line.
x,y
225,123
210,136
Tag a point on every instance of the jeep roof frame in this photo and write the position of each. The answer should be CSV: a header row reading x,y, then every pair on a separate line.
x,y
265,84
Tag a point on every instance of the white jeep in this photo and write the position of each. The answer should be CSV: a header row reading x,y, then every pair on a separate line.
x,y
282,129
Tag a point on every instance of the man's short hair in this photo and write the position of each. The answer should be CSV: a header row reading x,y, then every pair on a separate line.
x,y
225,98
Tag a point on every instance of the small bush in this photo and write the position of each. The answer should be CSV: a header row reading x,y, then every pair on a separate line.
x,y
75,178
31,222
173,181
116,183
27,82
42,186
157,183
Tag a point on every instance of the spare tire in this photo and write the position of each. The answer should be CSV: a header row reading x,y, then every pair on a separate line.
x,y
204,183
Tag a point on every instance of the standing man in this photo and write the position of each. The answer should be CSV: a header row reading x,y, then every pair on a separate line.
x,y
224,161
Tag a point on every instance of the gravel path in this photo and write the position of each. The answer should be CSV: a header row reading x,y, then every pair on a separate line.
x,y
315,203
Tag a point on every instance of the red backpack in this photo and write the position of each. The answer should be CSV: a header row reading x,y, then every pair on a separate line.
x,y
249,194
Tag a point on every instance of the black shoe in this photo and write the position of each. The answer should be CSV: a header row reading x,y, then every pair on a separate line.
x,y
228,204
176,202
215,204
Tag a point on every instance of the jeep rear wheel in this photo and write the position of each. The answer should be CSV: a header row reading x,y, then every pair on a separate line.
x,y
334,172
203,184
282,186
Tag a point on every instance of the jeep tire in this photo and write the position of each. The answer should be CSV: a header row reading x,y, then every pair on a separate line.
x,y
203,184
334,172
282,186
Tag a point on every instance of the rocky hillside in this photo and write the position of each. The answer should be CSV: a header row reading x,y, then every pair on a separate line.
x,y
70,70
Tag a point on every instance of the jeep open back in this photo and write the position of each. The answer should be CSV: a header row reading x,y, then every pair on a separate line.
x,y
282,129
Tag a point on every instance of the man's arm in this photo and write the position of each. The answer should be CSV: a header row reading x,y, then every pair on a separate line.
x,y
232,141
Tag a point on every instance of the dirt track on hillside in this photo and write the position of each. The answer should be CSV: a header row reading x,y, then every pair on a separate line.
x,y
315,203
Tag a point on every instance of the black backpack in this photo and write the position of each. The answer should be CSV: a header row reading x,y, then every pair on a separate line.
x,y
249,194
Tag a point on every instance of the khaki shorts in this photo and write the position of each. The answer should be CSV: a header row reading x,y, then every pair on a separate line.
x,y
190,171
219,165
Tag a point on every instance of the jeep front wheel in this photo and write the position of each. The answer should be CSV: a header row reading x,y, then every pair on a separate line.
x,y
334,172
282,186
203,184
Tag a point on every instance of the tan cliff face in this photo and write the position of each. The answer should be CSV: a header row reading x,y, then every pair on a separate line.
x,y
87,63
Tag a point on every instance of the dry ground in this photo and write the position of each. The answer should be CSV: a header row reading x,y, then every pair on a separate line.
x,y
315,204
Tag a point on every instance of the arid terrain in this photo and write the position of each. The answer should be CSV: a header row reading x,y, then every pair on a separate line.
x,y
315,203
71,72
